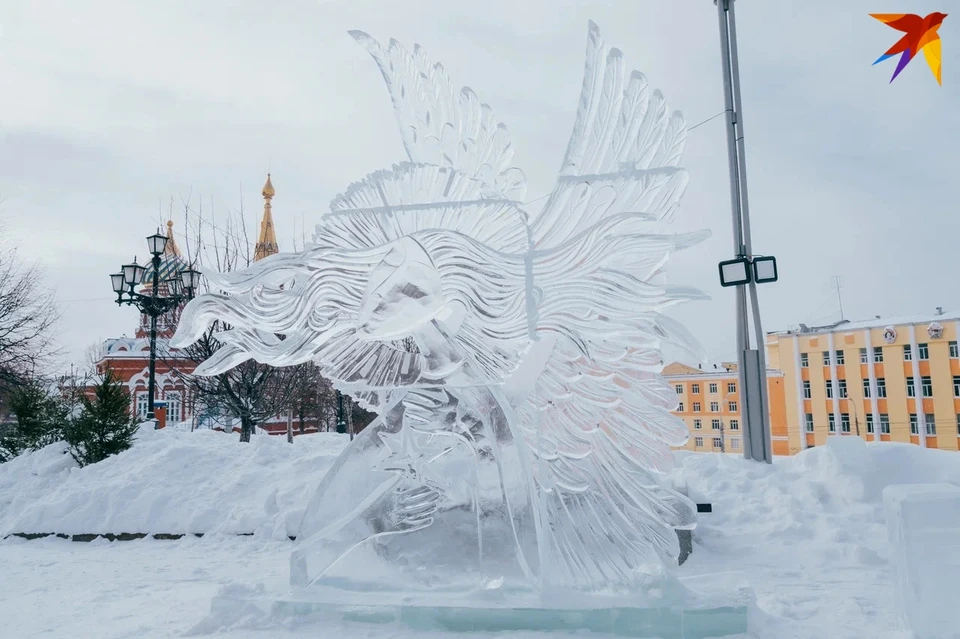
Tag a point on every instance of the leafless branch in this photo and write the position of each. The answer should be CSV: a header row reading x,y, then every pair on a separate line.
x,y
28,317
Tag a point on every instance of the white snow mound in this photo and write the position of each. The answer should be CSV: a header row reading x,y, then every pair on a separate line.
x,y
169,482
807,534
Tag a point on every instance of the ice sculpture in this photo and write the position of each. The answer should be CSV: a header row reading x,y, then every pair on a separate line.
x,y
513,359
923,525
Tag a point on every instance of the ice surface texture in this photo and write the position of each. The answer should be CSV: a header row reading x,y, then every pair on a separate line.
x,y
513,360
923,522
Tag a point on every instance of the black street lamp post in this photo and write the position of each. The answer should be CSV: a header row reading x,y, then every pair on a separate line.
x,y
181,286
341,422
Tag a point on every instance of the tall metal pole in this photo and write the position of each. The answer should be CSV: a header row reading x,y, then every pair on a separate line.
x,y
151,387
341,424
751,363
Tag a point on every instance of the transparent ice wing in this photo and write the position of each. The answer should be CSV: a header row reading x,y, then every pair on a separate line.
x,y
388,205
442,126
624,142
597,419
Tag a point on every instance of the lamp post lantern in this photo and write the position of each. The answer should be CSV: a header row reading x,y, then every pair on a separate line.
x,y
180,288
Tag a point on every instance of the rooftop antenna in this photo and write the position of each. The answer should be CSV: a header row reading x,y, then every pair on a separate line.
x,y
838,284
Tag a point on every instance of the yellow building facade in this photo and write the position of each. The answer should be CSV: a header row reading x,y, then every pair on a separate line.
x,y
709,403
893,379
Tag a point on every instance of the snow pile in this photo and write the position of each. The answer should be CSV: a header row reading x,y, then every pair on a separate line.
x,y
169,482
808,533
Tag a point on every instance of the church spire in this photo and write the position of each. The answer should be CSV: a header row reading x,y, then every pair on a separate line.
x,y
267,240
171,248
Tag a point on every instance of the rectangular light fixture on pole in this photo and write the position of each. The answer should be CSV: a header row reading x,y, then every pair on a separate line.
x,y
765,269
735,272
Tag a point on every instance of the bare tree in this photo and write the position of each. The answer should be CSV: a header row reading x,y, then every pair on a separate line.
x,y
358,417
313,397
28,316
250,392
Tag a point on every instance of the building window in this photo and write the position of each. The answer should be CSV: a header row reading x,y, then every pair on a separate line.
x,y
697,424
174,407
809,418
926,387
713,388
826,358
804,360
806,389
715,424
829,389
695,388
958,425
679,388
924,351
843,388
696,407
907,353
931,423
844,422
143,404
954,350
717,442
956,386
866,388
881,387
870,423
735,443
734,424
698,441
714,407
911,391
732,407
884,424
914,425
863,356
832,423
840,358
680,407
731,387
878,354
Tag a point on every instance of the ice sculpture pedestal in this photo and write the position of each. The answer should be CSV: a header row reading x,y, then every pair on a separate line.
x,y
923,522
619,617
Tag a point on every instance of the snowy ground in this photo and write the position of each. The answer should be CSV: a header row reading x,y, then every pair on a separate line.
x,y
807,534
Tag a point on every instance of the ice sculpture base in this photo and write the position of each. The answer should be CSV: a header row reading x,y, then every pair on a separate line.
x,y
611,616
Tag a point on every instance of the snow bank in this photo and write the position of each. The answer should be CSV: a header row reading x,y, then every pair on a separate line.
x,y
169,482
208,482
808,533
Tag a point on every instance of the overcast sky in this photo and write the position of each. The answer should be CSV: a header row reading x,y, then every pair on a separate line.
x,y
109,109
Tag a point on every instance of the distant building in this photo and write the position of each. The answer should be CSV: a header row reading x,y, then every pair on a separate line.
x,y
898,378
129,357
709,403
